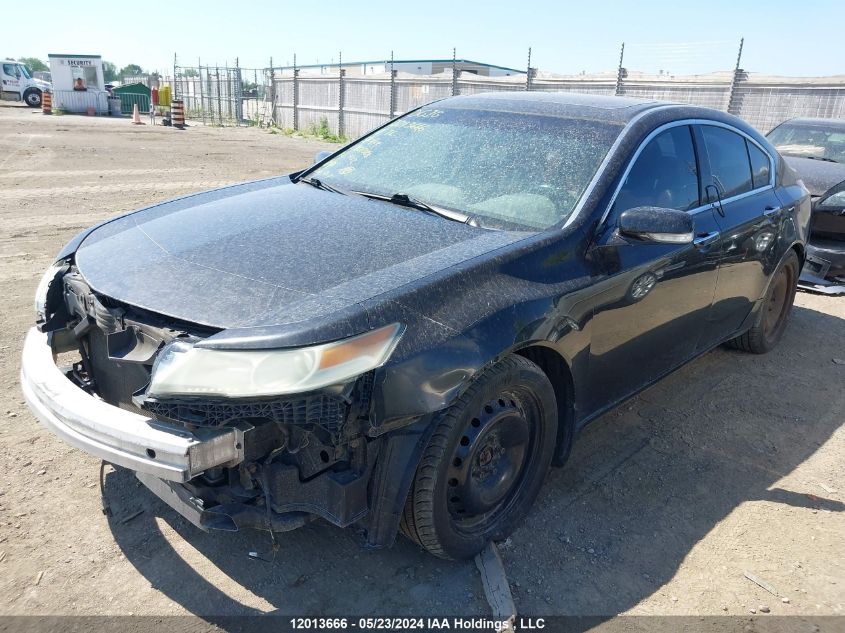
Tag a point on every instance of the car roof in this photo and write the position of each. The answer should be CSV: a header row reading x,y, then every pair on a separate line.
x,y
555,104
818,122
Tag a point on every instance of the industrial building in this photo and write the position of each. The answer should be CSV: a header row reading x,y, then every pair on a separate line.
x,y
413,66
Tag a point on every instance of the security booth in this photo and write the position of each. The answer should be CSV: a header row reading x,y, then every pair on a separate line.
x,y
78,84
131,94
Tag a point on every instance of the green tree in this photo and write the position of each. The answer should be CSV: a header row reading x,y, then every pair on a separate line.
x,y
33,63
131,70
109,72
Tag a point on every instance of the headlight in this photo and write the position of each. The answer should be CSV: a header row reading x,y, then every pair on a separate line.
x,y
835,201
184,370
44,286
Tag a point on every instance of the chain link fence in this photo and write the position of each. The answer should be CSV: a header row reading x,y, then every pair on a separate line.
x,y
350,105
213,94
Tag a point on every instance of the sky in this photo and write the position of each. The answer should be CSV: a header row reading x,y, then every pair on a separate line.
x,y
680,37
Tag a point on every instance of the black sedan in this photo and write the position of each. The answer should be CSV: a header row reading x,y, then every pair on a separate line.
x,y
815,148
408,334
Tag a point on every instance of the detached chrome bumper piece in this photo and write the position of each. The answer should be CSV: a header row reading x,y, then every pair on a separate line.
x,y
821,260
822,286
118,436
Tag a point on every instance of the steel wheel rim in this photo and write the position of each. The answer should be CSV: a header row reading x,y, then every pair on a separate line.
x,y
33,99
776,304
488,465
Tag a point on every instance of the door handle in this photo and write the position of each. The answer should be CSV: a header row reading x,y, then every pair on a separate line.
x,y
717,199
770,211
703,239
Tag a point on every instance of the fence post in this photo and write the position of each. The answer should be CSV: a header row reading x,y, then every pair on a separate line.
x,y
733,102
528,71
272,93
620,73
239,86
340,99
392,88
296,98
454,74
202,92
219,98
175,84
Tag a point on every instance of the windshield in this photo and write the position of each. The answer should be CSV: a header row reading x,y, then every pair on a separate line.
x,y
809,141
25,71
506,170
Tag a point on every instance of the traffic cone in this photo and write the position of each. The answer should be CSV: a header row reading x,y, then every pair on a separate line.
x,y
136,116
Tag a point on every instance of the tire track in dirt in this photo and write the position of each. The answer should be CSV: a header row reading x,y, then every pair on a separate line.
x,y
79,190
74,173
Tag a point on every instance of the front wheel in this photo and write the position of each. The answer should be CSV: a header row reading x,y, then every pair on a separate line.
x,y
485,462
32,98
773,315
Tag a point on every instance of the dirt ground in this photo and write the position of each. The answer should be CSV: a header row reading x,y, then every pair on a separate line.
x,y
734,464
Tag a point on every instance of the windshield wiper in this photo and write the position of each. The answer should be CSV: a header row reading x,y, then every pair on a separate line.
x,y
319,184
824,158
404,200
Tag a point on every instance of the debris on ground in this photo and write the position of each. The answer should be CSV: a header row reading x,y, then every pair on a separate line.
x,y
762,583
38,578
132,516
496,587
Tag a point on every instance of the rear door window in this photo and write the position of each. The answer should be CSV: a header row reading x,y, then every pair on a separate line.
x,y
760,165
665,174
729,164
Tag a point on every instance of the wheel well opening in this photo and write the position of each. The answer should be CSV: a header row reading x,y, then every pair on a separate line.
x,y
799,250
558,373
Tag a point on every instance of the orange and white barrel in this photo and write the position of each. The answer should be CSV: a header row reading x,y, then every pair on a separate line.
x,y
177,113
46,102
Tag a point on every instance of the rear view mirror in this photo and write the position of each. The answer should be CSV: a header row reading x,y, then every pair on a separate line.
x,y
656,224
321,156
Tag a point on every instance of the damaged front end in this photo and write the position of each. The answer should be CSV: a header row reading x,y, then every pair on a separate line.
x,y
139,390
824,268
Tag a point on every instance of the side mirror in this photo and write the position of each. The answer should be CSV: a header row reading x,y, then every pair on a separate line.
x,y
321,156
656,224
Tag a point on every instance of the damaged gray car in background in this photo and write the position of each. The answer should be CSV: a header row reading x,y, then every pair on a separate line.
x,y
815,149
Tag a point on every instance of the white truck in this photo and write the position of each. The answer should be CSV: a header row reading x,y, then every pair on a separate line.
x,y
18,84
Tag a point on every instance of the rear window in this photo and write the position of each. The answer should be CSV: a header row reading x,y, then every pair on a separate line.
x,y
760,165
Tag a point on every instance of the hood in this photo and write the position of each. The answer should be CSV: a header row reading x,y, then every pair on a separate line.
x,y
271,253
818,175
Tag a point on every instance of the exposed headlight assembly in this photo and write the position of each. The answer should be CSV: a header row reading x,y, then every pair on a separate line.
x,y
44,286
182,369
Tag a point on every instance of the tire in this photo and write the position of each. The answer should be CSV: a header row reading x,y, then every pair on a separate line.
x,y
773,315
32,98
485,462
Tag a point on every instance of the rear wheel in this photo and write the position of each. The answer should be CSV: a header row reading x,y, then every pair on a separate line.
x,y
773,315
485,463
